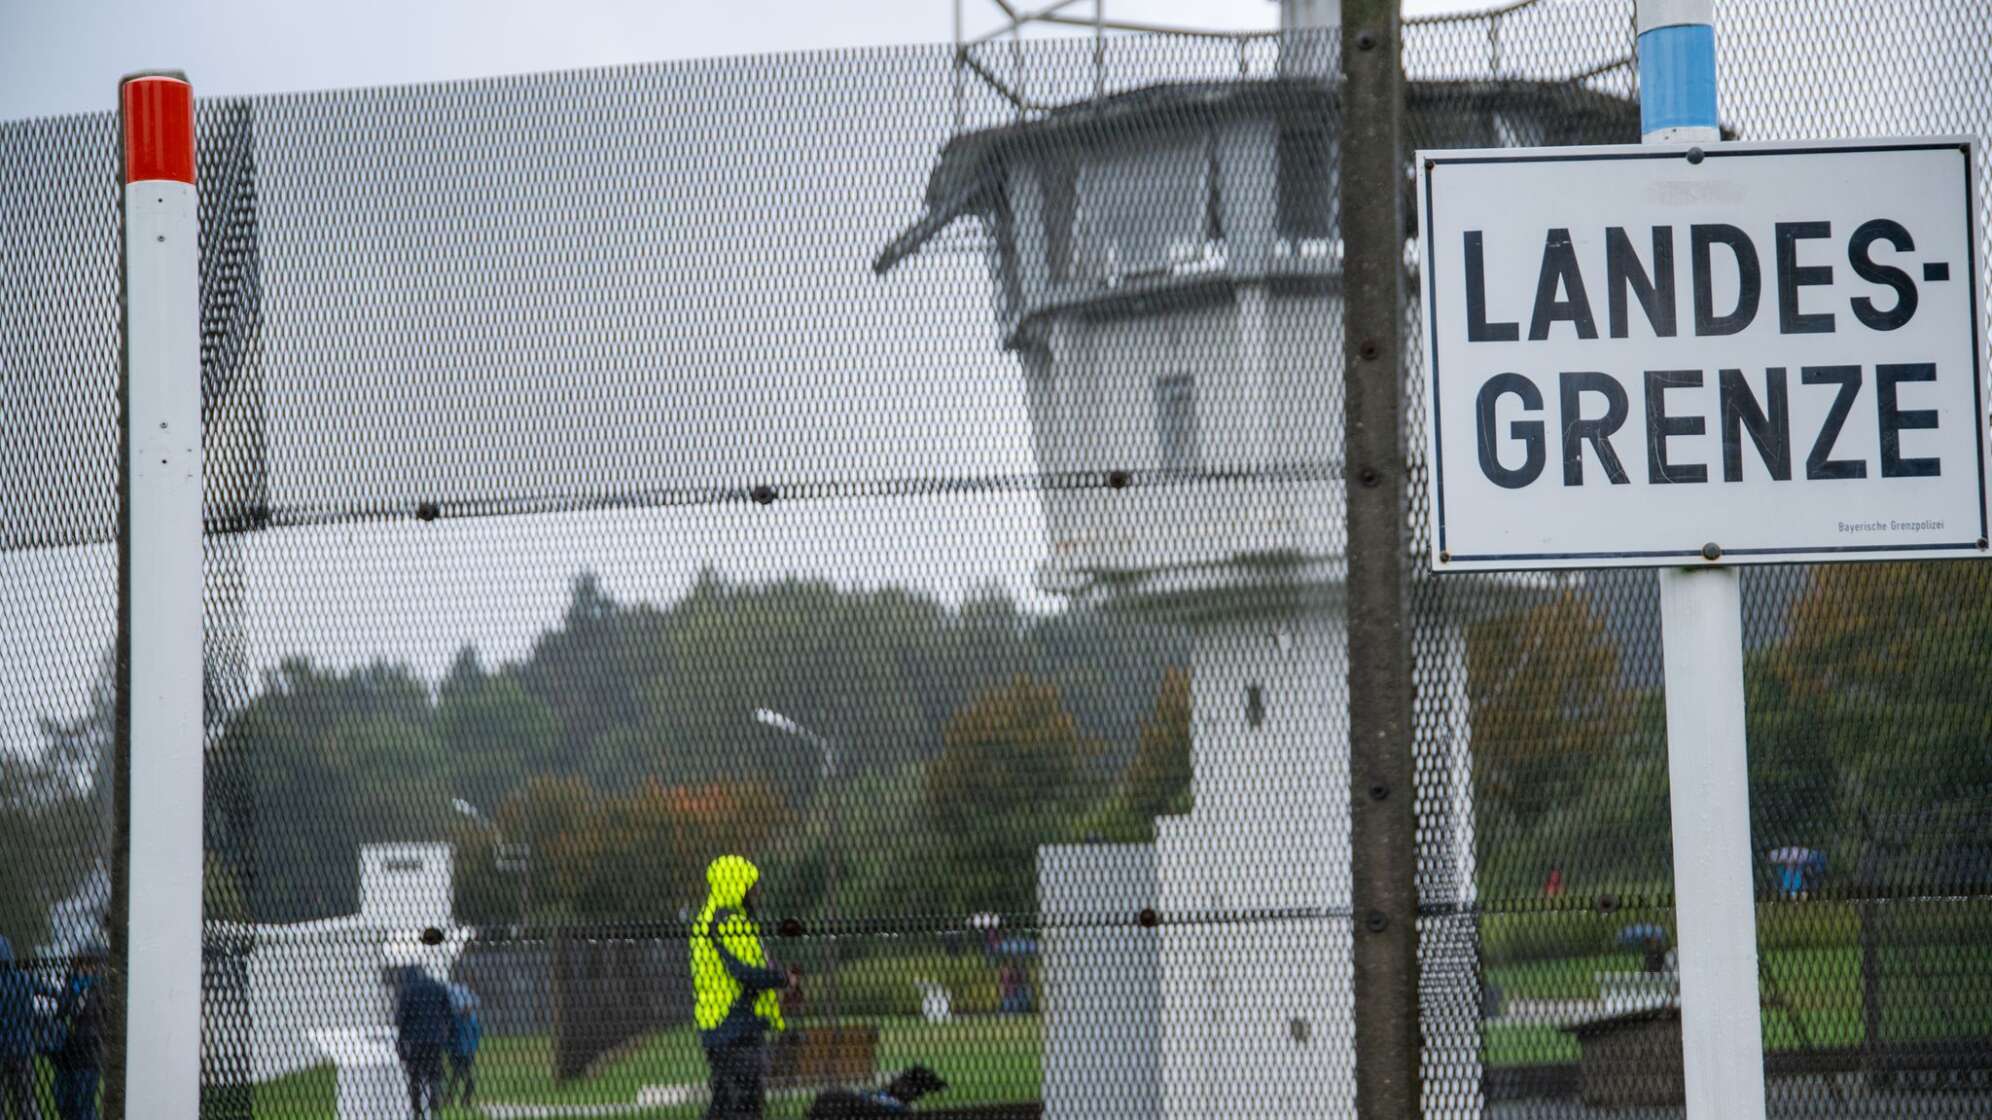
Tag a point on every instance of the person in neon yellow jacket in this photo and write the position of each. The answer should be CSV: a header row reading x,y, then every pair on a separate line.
x,y
736,993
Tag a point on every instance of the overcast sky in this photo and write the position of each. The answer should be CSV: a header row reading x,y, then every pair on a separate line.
x,y
65,56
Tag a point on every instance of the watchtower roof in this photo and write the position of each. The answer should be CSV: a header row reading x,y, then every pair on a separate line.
x,y
967,177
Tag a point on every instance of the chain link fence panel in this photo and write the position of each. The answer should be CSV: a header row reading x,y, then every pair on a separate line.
x,y
919,473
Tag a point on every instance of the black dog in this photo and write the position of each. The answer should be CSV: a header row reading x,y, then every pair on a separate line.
x,y
893,1100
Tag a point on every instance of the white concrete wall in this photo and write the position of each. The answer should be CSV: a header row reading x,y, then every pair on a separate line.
x,y
406,885
1268,417
309,978
1100,988
312,977
1253,999
1258,994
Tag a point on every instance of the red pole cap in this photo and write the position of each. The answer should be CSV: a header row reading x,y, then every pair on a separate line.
x,y
158,128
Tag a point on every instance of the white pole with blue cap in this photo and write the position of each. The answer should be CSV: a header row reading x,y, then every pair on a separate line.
x,y
1722,1046
1677,71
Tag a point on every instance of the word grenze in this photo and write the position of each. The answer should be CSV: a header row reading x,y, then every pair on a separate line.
x,y
1640,271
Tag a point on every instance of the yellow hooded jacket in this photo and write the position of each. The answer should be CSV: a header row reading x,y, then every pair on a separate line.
x,y
734,991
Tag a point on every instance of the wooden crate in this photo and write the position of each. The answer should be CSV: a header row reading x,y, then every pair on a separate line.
x,y
846,1055
1632,1060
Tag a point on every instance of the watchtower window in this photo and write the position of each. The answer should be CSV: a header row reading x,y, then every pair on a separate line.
x,y
1059,182
1142,210
1306,184
1176,421
1213,199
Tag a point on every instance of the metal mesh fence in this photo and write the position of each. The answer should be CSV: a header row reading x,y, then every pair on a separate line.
x,y
59,411
1870,941
924,480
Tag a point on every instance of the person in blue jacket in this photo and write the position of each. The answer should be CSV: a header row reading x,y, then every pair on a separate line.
x,y
421,1032
466,1031
79,1059
20,1032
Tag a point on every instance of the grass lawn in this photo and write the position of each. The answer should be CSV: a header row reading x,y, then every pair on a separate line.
x,y
1526,1044
985,1059
308,1096
1813,1000
1562,978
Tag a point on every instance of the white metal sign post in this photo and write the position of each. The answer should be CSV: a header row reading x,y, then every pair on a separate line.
x,y
162,598
1690,355
1701,637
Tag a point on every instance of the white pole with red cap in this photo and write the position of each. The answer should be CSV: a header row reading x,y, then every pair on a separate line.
x,y
162,601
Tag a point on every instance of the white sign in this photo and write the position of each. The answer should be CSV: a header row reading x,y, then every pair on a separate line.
x,y
1755,353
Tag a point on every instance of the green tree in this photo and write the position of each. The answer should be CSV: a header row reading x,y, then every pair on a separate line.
x,y
589,670
1871,722
636,855
1611,831
1548,706
1159,779
552,817
620,696
55,813
319,762
885,846
1013,772
828,657
494,731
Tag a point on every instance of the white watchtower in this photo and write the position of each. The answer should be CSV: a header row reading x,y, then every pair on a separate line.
x,y
1168,273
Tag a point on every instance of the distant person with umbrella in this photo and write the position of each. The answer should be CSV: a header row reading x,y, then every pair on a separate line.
x,y
1650,940
1799,869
